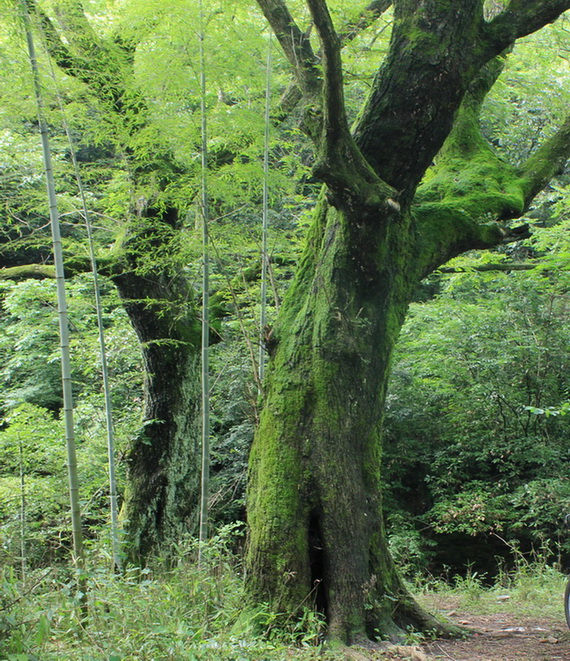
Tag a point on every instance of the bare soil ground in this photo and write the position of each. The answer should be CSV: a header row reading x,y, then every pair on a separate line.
x,y
503,637
500,636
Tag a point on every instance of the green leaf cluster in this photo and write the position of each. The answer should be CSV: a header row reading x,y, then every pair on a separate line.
x,y
468,452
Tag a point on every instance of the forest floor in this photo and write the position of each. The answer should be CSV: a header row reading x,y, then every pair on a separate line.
x,y
496,636
190,613
502,636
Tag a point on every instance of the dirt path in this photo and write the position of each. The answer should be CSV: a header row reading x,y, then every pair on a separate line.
x,y
503,637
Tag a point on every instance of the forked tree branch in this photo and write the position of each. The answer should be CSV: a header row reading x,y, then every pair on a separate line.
x,y
295,44
520,18
348,31
335,120
340,164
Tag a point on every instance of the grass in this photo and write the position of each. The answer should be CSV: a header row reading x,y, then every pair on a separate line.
x,y
190,613
531,590
185,613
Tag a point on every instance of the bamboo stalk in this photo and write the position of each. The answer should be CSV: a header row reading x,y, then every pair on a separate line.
x,y
265,221
22,512
78,556
115,546
205,486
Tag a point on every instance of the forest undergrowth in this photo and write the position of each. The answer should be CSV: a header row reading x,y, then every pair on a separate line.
x,y
192,613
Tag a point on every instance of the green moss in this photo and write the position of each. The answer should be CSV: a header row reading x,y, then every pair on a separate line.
x,y
316,456
277,509
470,177
464,194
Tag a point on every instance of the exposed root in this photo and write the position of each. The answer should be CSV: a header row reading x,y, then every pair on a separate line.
x,y
410,615
382,651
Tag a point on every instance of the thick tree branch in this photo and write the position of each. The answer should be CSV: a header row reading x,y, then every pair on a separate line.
x,y
335,121
340,164
469,186
546,162
348,31
82,55
107,265
27,271
520,18
446,231
57,49
295,44
76,27
418,89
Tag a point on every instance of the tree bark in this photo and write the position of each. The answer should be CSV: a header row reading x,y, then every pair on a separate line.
x,y
316,534
162,494
314,499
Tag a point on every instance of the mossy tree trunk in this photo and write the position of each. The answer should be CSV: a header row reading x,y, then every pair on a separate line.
x,y
161,501
315,491
316,535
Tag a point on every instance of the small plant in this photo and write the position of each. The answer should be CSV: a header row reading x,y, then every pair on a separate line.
x,y
471,585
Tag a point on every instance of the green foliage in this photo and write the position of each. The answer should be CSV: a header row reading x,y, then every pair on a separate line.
x,y
29,343
31,433
528,101
30,364
469,450
233,425
469,453
187,613
411,552
527,588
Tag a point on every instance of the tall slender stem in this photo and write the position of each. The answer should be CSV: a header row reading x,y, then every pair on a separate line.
x,y
103,356
265,221
22,511
78,557
113,498
204,495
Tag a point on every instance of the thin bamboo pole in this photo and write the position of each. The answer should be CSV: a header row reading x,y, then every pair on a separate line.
x,y
78,557
113,498
115,546
22,512
205,486
265,220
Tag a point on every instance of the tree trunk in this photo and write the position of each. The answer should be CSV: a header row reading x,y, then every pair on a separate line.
x,y
314,497
314,500
163,486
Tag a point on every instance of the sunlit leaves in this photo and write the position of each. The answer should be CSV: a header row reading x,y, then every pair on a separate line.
x,y
530,99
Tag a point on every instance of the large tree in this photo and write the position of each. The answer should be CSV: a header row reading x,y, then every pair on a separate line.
x,y
128,73
147,266
412,184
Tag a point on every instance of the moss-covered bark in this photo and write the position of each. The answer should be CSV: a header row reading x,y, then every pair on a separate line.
x,y
162,493
314,498
317,537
